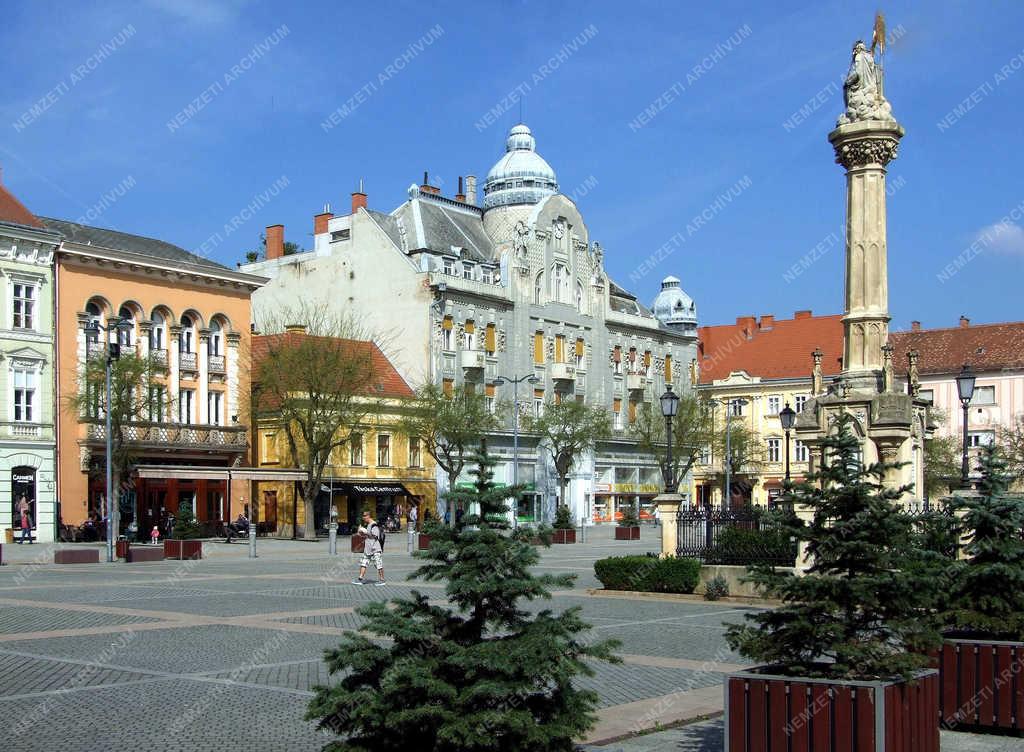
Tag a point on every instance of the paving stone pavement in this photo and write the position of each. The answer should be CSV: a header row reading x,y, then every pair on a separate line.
x,y
222,653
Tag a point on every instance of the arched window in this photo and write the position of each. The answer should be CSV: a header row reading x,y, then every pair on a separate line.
x,y
579,297
215,337
187,336
95,315
125,337
538,289
158,333
560,284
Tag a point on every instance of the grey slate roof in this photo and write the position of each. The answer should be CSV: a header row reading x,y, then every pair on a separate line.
x,y
122,241
441,227
389,225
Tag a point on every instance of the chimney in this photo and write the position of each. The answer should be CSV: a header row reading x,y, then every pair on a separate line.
x,y
767,322
427,187
295,329
802,315
746,324
358,198
460,196
275,241
964,322
471,189
320,220
915,326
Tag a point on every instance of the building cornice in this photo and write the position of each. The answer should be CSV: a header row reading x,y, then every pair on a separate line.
x,y
143,265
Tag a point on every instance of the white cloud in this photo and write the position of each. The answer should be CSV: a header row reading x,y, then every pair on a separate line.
x,y
1003,237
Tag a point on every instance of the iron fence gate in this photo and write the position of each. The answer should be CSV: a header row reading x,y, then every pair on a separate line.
x,y
737,536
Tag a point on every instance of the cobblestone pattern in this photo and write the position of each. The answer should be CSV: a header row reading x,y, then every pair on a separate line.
x,y
19,619
622,683
20,675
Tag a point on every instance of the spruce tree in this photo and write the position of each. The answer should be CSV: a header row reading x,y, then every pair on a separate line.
x,y
856,612
185,525
987,588
478,673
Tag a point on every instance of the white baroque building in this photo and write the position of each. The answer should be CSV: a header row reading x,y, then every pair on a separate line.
x,y
512,288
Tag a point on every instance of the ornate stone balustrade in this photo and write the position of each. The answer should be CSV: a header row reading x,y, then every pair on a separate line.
x,y
176,434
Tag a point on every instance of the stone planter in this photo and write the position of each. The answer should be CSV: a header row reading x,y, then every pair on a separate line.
x,y
766,711
564,535
357,543
631,532
183,549
424,542
982,683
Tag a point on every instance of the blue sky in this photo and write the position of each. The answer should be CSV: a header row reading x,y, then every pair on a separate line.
x,y
107,81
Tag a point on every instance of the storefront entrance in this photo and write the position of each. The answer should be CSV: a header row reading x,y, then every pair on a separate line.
x,y
23,486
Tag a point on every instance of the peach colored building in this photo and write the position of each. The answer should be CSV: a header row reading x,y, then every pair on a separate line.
x,y
192,315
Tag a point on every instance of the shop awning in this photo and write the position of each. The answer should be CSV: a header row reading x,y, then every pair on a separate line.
x,y
198,472
372,488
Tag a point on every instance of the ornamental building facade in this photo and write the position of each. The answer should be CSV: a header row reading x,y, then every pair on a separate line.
x,y
507,286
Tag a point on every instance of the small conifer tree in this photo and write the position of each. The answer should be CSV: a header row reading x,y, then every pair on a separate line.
x,y
185,525
479,673
856,613
987,588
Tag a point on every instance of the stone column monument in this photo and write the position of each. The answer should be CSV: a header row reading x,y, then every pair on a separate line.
x,y
891,425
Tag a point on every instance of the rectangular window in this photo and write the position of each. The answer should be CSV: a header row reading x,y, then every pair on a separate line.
x,y
736,407
668,369
617,360
774,404
383,450
449,267
580,352
355,449
632,412
448,387
799,401
490,339
446,333
489,403
186,403
486,276
647,364
415,456
538,402
800,452
467,271
24,306
984,395
774,449
470,335
617,414
928,395
977,439
538,348
705,455
156,338
157,398
214,402
559,348
24,395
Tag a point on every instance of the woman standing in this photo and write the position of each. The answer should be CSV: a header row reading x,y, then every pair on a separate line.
x,y
26,528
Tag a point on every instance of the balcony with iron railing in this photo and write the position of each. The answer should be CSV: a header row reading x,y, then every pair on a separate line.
x,y
176,435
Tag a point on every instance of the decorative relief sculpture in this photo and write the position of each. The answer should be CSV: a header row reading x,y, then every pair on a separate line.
x,y
862,89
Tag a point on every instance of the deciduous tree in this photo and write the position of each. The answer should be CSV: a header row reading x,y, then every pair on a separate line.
x,y
692,432
567,429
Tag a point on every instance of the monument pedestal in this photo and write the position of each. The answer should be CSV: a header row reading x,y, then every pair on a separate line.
x,y
668,505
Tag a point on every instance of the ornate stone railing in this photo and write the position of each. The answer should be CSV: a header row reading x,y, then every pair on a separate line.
x,y
188,361
159,357
216,364
176,434
15,430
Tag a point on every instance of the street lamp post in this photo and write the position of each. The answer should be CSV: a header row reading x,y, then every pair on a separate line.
x,y
530,379
669,407
965,389
113,352
788,418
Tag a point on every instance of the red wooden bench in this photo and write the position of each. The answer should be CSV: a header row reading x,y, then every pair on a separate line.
x,y
76,556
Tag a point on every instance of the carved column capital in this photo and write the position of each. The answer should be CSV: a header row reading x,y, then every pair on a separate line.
x,y
871,150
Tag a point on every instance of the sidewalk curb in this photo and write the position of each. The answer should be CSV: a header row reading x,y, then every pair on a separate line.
x,y
742,600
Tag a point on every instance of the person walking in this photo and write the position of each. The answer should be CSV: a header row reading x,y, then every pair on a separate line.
x,y
373,549
26,528
413,515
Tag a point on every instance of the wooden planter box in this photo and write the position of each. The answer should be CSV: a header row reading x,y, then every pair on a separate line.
x,y
627,533
564,535
76,556
357,543
982,683
183,549
144,553
765,711
424,542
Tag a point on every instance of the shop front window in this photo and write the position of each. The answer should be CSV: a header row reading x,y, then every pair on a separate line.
x,y
23,494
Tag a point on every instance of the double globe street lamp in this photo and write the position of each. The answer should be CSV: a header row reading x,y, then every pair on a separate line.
x,y
113,352
965,390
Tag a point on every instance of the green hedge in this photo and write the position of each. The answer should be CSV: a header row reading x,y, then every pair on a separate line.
x,y
648,574
741,546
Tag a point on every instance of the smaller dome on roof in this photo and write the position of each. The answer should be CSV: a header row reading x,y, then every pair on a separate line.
x,y
674,308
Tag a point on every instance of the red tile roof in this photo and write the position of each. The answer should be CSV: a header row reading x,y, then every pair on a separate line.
x,y
12,210
770,348
986,347
390,383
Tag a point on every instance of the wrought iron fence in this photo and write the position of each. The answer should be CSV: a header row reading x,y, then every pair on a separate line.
x,y
738,536
935,527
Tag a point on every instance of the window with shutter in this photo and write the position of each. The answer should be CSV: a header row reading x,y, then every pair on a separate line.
x,y
538,348
490,339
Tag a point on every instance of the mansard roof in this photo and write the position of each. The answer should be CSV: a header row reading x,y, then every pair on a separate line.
x,y
439,224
